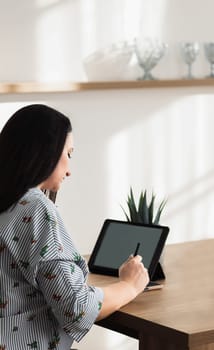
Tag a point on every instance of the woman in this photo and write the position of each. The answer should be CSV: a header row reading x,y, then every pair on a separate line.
x,y
45,302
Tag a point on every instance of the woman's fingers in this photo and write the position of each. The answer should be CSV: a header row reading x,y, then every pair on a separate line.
x,y
138,258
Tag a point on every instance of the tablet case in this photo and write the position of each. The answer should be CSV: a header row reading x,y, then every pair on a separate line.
x,y
158,274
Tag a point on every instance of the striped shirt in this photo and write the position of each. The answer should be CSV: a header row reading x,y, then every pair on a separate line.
x,y
45,302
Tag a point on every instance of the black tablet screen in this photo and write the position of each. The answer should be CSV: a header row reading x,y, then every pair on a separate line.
x,y
118,240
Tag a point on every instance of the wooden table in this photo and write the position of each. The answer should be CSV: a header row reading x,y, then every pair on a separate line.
x,y
181,315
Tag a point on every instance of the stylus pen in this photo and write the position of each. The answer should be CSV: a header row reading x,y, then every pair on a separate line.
x,y
137,248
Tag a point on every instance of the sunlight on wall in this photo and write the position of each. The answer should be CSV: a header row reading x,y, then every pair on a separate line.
x,y
170,153
58,43
124,17
96,15
150,10
131,18
191,169
50,49
118,170
88,25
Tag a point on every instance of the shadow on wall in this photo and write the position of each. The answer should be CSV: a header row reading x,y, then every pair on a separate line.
x,y
191,194
40,41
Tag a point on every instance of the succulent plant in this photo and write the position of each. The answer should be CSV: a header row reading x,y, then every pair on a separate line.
x,y
143,213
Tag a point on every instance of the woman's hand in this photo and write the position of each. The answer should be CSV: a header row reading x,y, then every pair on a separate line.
x,y
133,272
133,278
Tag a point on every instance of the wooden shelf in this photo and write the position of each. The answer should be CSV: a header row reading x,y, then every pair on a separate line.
x,y
54,87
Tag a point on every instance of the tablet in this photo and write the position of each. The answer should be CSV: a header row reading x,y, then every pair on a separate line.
x,y
119,239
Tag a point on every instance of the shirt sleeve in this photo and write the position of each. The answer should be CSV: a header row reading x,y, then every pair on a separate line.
x,y
55,267
74,303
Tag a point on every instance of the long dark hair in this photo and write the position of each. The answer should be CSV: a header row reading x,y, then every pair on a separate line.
x,y
31,144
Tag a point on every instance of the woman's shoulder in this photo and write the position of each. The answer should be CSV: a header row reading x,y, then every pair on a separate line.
x,y
35,197
35,202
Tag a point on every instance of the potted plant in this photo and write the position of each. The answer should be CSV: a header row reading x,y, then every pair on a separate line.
x,y
143,213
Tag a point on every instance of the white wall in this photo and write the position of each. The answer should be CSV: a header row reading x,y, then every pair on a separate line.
x,y
159,139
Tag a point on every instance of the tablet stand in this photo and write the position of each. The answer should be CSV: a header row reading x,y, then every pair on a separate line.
x,y
158,274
